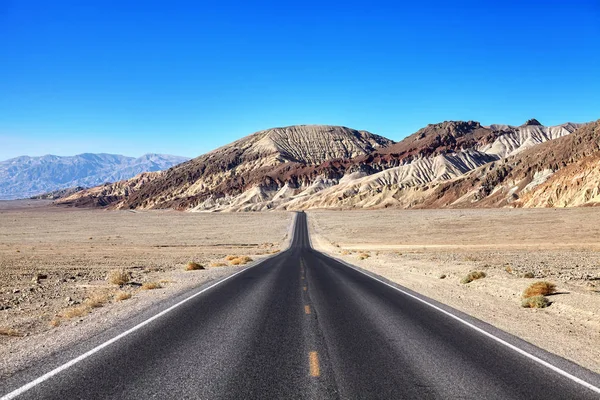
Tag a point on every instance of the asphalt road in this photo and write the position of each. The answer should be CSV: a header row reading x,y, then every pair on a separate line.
x,y
302,325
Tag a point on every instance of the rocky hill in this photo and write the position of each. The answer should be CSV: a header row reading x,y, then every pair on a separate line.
x,y
238,169
25,176
450,164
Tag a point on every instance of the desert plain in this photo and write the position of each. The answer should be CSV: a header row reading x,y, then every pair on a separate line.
x,y
54,264
55,261
431,251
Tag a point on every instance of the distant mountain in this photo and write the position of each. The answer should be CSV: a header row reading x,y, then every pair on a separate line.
x,y
448,164
24,176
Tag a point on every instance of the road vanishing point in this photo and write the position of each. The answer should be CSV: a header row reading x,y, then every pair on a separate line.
x,y
302,325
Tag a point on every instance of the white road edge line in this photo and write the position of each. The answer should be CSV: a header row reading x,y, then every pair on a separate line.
x,y
484,332
48,375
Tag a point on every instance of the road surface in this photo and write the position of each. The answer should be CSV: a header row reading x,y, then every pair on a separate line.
x,y
301,325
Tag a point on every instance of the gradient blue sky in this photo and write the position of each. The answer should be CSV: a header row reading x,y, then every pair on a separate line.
x,y
133,77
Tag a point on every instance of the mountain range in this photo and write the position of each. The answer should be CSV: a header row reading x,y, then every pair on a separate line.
x,y
25,176
449,164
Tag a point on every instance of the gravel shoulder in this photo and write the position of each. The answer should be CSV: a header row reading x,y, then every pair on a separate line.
x,y
430,251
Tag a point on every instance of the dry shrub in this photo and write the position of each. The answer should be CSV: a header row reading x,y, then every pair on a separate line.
x,y
535,302
344,252
9,332
193,266
118,277
151,286
230,257
241,260
96,300
218,264
363,256
472,276
77,311
120,296
508,269
528,275
55,322
541,288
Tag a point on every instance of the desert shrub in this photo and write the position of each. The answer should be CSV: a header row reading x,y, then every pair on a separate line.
x,y
193,266
528,275
230,257
151,285
473,275
541,288
120,296
77,311
96,300
118,277
218,264
535,302
508,269
363,256
241,260
9,332
55,322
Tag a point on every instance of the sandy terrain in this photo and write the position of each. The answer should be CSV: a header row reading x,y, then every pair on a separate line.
x,y
416,247
54,260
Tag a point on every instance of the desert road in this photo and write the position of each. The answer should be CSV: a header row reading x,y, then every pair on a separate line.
x,y
301,325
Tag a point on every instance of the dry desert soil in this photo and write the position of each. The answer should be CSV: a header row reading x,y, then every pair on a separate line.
x,y
431,251
54,264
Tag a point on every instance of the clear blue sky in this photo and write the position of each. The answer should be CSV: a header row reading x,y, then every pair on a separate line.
x,y
178,77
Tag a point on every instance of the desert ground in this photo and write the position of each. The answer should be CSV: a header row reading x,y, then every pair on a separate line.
x,y
431,251
54,264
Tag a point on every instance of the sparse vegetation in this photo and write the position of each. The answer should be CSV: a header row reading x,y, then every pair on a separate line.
x,y
120,296
508,269
241,260
118,277
9,332
151,286
538,301
96,300
218,264
55,322
363,256
529,275
230,257
541,288
77,311
193,266
472,276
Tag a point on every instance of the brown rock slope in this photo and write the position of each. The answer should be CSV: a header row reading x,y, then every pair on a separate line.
x,y
450,164
216,180
560,173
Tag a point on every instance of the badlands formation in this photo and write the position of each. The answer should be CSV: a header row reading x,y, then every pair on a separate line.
x,y
446,165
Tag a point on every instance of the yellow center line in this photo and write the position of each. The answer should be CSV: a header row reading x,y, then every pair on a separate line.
x,y
307,309
313,360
